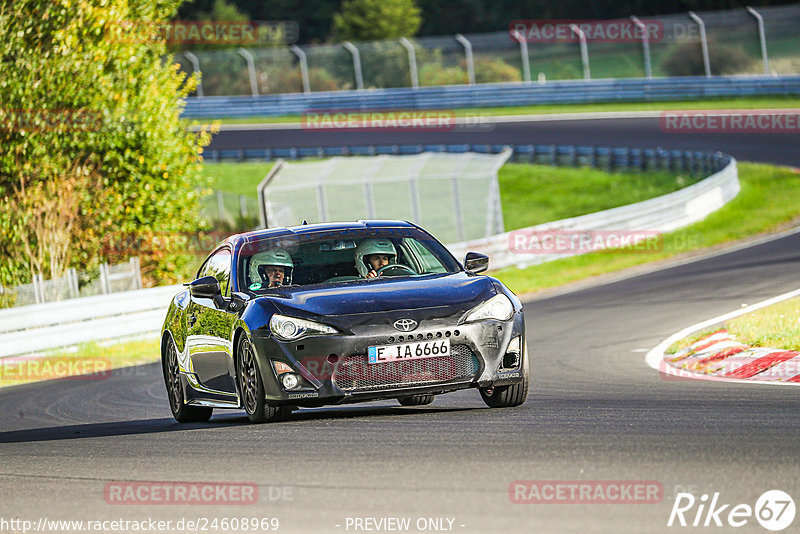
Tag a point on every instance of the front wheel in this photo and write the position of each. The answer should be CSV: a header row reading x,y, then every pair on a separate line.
x,y
251,387
509,396
183,413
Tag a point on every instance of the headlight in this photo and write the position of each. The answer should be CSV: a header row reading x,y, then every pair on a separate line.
x,y
498,307
291,329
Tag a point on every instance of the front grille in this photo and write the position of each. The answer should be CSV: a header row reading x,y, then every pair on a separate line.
x,y
355,374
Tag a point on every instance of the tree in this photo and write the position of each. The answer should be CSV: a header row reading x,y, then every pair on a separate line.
x,y
92,149
369,20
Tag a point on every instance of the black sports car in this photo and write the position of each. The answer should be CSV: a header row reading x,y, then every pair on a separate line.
x,y
336,313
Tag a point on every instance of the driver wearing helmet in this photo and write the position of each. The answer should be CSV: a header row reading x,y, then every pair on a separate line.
x,y
272,268
373,254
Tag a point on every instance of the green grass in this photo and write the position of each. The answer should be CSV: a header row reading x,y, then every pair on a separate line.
x,y
777,102
535,194
776,326
236,178
531,194
88,358
769,201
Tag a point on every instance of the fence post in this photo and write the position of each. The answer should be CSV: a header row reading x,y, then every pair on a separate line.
x,y
468,54
412,61
251,69
72,278
105,285
762,37
350,47
587,75
303,67
703,42
195,68
645,45
523,51
243,206
36,296
136,272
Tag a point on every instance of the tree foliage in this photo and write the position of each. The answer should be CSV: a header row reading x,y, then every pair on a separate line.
x,y
92,149
369,20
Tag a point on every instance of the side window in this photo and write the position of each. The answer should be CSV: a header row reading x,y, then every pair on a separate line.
x,y
219,266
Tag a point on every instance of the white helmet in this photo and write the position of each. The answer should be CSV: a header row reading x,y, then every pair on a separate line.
x,y
278,257
369,247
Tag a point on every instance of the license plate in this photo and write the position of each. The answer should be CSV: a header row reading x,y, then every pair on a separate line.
x,y
408,351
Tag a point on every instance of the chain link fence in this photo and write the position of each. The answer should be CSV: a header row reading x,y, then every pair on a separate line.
x,y
108,279
733,46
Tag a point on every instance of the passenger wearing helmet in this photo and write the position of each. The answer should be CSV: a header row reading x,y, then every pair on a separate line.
x,y
372,254
272,268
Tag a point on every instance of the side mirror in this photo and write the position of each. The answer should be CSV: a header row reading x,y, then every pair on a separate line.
x,y
206,287
475,262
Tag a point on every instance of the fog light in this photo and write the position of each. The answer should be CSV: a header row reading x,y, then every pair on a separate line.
x,y
290,381
514,345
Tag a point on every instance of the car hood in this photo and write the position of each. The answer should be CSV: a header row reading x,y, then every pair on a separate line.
x,y
441,295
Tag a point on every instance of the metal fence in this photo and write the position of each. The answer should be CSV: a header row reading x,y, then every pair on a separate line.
x,y
740,41
508,94
108,279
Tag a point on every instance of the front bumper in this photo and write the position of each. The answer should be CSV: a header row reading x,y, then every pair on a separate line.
x,y
334,369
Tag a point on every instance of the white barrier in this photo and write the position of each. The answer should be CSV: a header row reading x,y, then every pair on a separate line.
x,y
38,327
661,214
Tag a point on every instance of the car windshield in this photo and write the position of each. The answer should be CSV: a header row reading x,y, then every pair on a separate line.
x,y
340,257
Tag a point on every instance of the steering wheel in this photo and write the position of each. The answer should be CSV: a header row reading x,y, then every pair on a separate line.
x,y
404,269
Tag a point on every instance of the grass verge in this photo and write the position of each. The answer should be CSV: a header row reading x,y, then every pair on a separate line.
x,y
530,194
772,102
89,358
768,202
776,326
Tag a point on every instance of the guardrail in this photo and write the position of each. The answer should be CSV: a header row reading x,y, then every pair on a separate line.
x,y
483,95
39,327
608,158
661,214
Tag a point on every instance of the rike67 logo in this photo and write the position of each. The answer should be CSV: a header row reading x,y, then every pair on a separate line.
x,y
774,510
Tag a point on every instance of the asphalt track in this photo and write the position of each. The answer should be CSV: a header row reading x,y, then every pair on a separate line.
x,y
645,132
595,412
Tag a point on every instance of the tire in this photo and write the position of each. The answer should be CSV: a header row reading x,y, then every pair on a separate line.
x,y
509,396
183,413
416,400
251,387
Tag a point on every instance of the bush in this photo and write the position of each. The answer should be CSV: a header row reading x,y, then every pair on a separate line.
x,y
92,147
495,70
686,59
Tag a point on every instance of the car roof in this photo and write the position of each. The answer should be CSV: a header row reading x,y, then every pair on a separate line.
x,y
256,235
